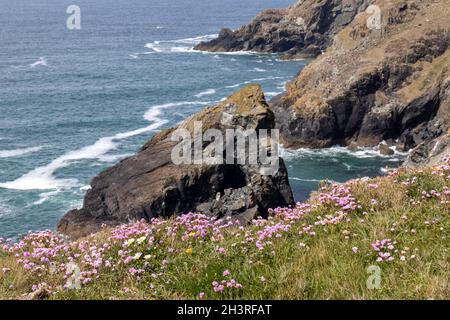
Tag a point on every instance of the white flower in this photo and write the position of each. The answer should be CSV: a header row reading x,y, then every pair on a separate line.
x,y
141,240
137,256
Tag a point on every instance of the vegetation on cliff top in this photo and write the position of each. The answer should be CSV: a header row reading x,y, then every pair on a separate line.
x,y
327,248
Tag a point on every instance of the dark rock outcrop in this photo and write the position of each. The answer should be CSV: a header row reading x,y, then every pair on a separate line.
x,y
150,185
429,153
304,29
373,85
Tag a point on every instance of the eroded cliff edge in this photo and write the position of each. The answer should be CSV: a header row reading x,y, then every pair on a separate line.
x,y
304,29
150,185
390,84
386,80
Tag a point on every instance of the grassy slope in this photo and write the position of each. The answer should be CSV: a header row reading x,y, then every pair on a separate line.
x,y
328,260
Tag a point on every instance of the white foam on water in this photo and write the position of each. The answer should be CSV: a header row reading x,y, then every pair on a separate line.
x,y
5,209
272,94
18,152
305,180
153,114
347,166
230,53
234,85
253,81
45,196
153,46
196,40
85,188
40,62
42,178
362,153
259,70
180,49
178,46
281,60
187,46
206,93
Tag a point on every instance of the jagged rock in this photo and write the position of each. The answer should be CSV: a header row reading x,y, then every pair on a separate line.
x,y
373,85
385,150
150,185
429,153
304,29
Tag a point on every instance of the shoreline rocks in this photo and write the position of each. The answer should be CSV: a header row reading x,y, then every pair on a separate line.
x,y
374,85
304,29
389,83
149,184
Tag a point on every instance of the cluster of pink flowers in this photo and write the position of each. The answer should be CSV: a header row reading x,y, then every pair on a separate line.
x,y
227,283
444,169
146,249
290,213
341,196
387,251
134,247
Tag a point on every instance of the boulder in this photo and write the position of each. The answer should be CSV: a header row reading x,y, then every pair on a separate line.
x,y
385,150
149,184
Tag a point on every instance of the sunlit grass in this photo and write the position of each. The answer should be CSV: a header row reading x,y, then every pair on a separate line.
x,y
321,249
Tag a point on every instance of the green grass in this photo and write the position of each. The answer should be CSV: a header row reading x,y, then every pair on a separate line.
x,y
293,266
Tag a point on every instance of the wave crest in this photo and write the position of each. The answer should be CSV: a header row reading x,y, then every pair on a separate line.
x,y
18,152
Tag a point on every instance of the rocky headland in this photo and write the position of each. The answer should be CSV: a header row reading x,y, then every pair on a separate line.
x,y
383,83
150,185
304,29
384,76
375,85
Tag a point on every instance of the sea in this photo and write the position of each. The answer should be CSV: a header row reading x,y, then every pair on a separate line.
x,y
74,101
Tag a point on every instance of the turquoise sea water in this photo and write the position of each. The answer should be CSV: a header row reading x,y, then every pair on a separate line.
x,y
73,102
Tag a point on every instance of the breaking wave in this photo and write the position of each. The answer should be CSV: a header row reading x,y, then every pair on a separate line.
x,y
42,178
18,152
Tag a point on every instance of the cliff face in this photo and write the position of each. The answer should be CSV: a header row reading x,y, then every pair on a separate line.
x,y
388,82
304,29
371,85
150,185
379,79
